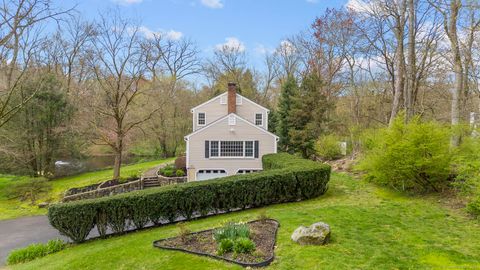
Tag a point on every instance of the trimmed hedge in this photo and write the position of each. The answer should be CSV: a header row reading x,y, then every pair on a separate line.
x,y
285,178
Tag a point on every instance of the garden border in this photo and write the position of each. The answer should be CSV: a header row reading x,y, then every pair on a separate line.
x,y
259,264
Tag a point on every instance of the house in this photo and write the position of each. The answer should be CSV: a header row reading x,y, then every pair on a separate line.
x,y
229,137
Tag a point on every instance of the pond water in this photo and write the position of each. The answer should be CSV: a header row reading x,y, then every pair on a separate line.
x,y
66,167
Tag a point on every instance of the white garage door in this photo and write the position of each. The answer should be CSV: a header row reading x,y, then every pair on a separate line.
x,y
210,174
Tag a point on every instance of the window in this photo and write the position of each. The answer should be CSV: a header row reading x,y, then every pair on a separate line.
x,y
231,149
247,171
258,119
223,99
249,148
232,121
238,100
201,119
214,148
242,149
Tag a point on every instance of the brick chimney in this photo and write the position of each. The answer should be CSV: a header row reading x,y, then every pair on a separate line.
x,y
232,97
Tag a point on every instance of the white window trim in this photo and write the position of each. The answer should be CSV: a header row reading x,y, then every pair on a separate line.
x,y
237,157
198,118
238,100
232,120
255,119
223,100
250,169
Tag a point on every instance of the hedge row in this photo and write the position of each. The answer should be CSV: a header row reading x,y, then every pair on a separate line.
x,y
285,178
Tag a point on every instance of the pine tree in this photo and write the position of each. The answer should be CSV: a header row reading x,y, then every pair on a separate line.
x,y
289,90
307,115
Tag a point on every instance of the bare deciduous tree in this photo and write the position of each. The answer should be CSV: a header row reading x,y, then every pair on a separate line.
x,y
16,19
118,63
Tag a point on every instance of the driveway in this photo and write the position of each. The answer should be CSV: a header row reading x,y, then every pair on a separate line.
x,y
20,232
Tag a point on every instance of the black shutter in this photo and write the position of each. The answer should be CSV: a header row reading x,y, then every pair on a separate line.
x,y
207,149
256,149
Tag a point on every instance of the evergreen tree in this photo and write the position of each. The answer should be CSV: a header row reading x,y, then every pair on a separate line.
x,y
307,115
289,90
272,121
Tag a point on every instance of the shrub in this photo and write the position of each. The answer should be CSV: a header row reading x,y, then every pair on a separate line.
x,y
34,251
473,207
168,173
413,156
225,245
328,147
467,167
183,232
181,162
467,173
285,178
232,231
179,173
243,245
168,168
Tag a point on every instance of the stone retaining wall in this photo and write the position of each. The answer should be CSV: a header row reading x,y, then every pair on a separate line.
x,y
171,180
108,191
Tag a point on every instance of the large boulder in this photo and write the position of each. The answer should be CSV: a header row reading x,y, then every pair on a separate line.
x,y
317,234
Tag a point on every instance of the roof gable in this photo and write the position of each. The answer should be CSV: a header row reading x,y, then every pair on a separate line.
x,y
225,117
217,98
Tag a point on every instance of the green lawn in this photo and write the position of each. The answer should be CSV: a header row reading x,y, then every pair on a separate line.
x,y
372,228
14,208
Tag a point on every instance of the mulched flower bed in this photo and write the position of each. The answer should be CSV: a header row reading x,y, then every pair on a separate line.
x,y
262,232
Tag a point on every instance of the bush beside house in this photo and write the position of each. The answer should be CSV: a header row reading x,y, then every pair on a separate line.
x,y
285,178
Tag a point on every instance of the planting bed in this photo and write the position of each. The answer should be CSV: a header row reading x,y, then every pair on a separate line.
x,y
262,232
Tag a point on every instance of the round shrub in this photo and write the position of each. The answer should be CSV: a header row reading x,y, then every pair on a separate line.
x,y
243,245
168,173
328,147
225,245
179,173
409,157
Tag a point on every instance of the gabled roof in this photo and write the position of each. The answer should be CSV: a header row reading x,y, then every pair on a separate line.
x,y
225,117
224,93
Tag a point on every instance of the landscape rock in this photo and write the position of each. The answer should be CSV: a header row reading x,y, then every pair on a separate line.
x,y
317,234
43,205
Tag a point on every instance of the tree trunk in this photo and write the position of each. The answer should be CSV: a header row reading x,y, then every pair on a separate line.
x,y
458,70
118,157
399,80
399,31
411,72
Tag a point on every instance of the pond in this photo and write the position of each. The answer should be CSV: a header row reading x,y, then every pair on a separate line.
x,y
70,166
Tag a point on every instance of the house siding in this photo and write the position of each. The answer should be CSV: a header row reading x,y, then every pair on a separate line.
x,y
221,131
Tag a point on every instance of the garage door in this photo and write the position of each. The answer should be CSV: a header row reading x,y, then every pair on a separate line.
x,y
210,174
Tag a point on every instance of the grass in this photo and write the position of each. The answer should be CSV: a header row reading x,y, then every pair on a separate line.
x,y
14,208
372,228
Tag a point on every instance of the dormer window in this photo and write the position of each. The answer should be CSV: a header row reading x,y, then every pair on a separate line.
x,y
259,119
201,120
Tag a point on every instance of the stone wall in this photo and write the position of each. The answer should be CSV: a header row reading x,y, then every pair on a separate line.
x,y
108,191
171,180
